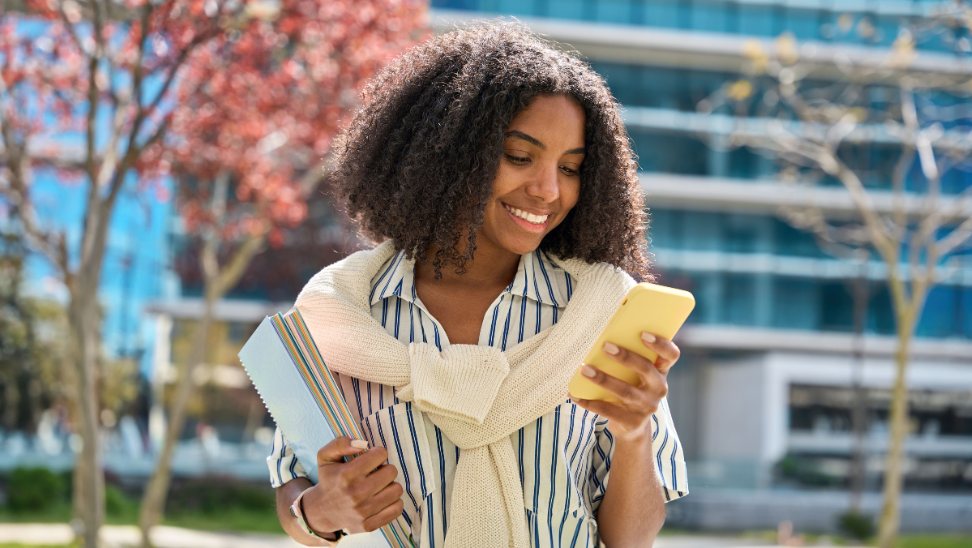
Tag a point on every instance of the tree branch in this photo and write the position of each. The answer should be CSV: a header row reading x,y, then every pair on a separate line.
x,y
959,235
234,269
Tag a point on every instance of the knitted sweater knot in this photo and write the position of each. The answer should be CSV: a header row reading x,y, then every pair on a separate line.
x,y
477,395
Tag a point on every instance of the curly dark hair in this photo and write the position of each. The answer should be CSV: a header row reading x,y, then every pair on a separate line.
x,y
418,161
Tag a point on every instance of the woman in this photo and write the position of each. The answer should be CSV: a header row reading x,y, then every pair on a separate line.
x,y
498,174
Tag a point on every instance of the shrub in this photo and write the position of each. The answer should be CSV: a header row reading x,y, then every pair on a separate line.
x,y
212,495
33,489
856,525
116,503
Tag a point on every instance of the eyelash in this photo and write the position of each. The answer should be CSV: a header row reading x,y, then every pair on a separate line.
x,y
516,160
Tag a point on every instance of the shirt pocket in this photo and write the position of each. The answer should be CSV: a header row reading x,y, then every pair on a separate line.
x,y
400,429
556,459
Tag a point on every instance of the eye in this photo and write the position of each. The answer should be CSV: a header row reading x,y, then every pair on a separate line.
x,y
569,171
518,160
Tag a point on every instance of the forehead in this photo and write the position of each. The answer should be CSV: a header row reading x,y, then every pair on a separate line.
x,y
554,118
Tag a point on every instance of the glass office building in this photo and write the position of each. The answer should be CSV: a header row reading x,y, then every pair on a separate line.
x,y
764,394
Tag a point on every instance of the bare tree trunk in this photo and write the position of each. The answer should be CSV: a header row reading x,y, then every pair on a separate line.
x,y
898,419
89,498
217,281
858,469
157,490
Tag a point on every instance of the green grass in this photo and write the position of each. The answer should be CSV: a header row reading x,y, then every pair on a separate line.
x,y
2,545
231,519
935,541
927,540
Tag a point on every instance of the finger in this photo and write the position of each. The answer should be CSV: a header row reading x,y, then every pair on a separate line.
x,y
383,476
338,448
627,418
383,499
384,517
628,394
668,352
631,360
367,462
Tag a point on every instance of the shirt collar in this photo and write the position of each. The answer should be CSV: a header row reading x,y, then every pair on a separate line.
x,y
537,278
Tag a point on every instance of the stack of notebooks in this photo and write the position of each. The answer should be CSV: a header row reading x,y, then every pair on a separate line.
x,y
302,396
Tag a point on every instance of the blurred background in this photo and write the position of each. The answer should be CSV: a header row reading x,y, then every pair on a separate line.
x,y
805,163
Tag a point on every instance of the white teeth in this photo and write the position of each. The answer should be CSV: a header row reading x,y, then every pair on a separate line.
x,y
528,217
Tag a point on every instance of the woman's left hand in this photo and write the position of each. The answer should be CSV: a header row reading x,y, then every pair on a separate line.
x,y
631,417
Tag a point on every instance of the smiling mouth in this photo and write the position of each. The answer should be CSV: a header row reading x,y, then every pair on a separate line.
x,y
528,217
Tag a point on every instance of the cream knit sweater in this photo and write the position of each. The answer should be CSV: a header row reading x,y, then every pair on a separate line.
x,y
477,395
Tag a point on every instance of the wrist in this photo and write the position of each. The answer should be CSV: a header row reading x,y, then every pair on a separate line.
x,y
316,529
634,439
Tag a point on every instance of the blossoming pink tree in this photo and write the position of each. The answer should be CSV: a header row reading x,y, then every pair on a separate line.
x,y
234,101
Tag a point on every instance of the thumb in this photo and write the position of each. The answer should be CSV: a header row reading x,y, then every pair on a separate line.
x,y
338,448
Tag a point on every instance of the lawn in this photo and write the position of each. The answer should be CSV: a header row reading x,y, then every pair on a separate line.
x,y
231,519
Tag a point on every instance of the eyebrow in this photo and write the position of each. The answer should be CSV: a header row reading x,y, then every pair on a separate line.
x,y
535,142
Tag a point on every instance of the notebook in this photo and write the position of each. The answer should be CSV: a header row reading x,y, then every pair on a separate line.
x,y
302,396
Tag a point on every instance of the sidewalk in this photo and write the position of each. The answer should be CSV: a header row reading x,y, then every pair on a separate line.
x,y
125,536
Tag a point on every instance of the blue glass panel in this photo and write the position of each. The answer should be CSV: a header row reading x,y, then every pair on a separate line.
x,y
887,27
964,320
880,312
739,299
472,5
565,9
669,153
613,11
742,233
795,304
837,307
516,7
941,311
709,16
743,163
804,24
661,13
794,242
665,228
758,20
621,81
709,291
702,231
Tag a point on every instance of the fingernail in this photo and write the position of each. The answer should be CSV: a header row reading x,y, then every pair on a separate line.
x,y
648,337
359,444
611,348
588,371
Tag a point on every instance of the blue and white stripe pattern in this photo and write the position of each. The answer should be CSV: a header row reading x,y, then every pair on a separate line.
x,y
564,457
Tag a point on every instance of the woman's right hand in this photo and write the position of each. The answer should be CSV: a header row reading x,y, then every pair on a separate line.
x,y
357,496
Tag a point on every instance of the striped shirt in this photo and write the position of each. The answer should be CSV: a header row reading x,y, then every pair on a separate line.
x,y
564,457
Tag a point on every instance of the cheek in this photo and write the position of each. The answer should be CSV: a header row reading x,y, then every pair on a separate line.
x,y
505,180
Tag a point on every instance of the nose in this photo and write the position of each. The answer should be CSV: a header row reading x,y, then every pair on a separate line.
x,y
545,185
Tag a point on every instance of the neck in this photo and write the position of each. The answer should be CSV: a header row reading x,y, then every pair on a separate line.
x,y
490,267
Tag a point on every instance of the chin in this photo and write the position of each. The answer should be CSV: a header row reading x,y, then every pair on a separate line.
x,y
521,247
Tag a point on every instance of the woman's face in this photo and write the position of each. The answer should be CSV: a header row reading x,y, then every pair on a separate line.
x,y
538,180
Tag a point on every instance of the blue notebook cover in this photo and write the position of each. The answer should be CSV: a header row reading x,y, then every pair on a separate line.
x,y
299,392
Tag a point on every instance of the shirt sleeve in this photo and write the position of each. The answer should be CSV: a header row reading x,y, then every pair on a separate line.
x,y
667,453
600,463
283,462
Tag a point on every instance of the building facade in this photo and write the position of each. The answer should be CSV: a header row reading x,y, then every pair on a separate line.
x,y
772,362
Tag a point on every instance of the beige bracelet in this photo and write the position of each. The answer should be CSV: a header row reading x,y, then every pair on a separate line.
x,y
297,511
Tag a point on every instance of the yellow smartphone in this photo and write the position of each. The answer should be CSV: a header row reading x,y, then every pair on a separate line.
x,y
646,308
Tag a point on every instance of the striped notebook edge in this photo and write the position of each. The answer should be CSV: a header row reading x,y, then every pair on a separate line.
x,y
296,338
